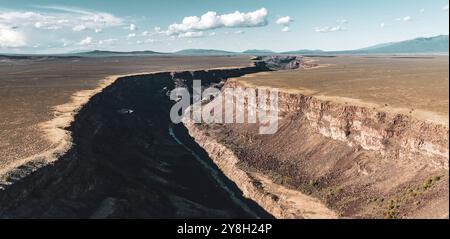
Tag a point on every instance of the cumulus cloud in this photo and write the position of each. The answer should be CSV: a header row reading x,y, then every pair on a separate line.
x,y
20,18
132,27
10,38
211,20
328,29
62,21
407,18
284,20
150,40
89,17
108,41
79,28
382,25
191,35
59,17
46,25
85,41
338,28
131,35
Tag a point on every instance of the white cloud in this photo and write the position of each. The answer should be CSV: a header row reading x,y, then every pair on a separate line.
x,y
157,30
89,17
132,27
85,41
407,18
47,26
108,41
239,32
79,28
211,20
191,35
212,34
61,21
64,42
339,28
144,33
10,38
59,17
382,25
131,35
97,30
20,18
284,20
328,29
342,21
445,8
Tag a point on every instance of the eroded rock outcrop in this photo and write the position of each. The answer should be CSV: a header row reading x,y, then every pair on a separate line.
x,y
395,136
254,186
360,161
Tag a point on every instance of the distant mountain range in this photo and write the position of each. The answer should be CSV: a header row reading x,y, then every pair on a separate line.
x,y
418,45
304,52
203,52
115,53
421,45
259,52
438,44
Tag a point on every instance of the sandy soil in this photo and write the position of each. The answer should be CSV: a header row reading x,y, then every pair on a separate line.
x,y
407,85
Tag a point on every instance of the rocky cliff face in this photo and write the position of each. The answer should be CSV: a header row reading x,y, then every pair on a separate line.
x,y
359,161
395,136
253,187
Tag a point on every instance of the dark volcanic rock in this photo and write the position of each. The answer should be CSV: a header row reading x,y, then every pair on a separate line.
x,y
281,62
127,165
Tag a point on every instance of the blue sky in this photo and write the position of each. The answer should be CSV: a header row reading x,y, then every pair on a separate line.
x,y
68,26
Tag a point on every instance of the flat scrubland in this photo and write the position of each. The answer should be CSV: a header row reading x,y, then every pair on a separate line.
x,y
416,85
31,88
